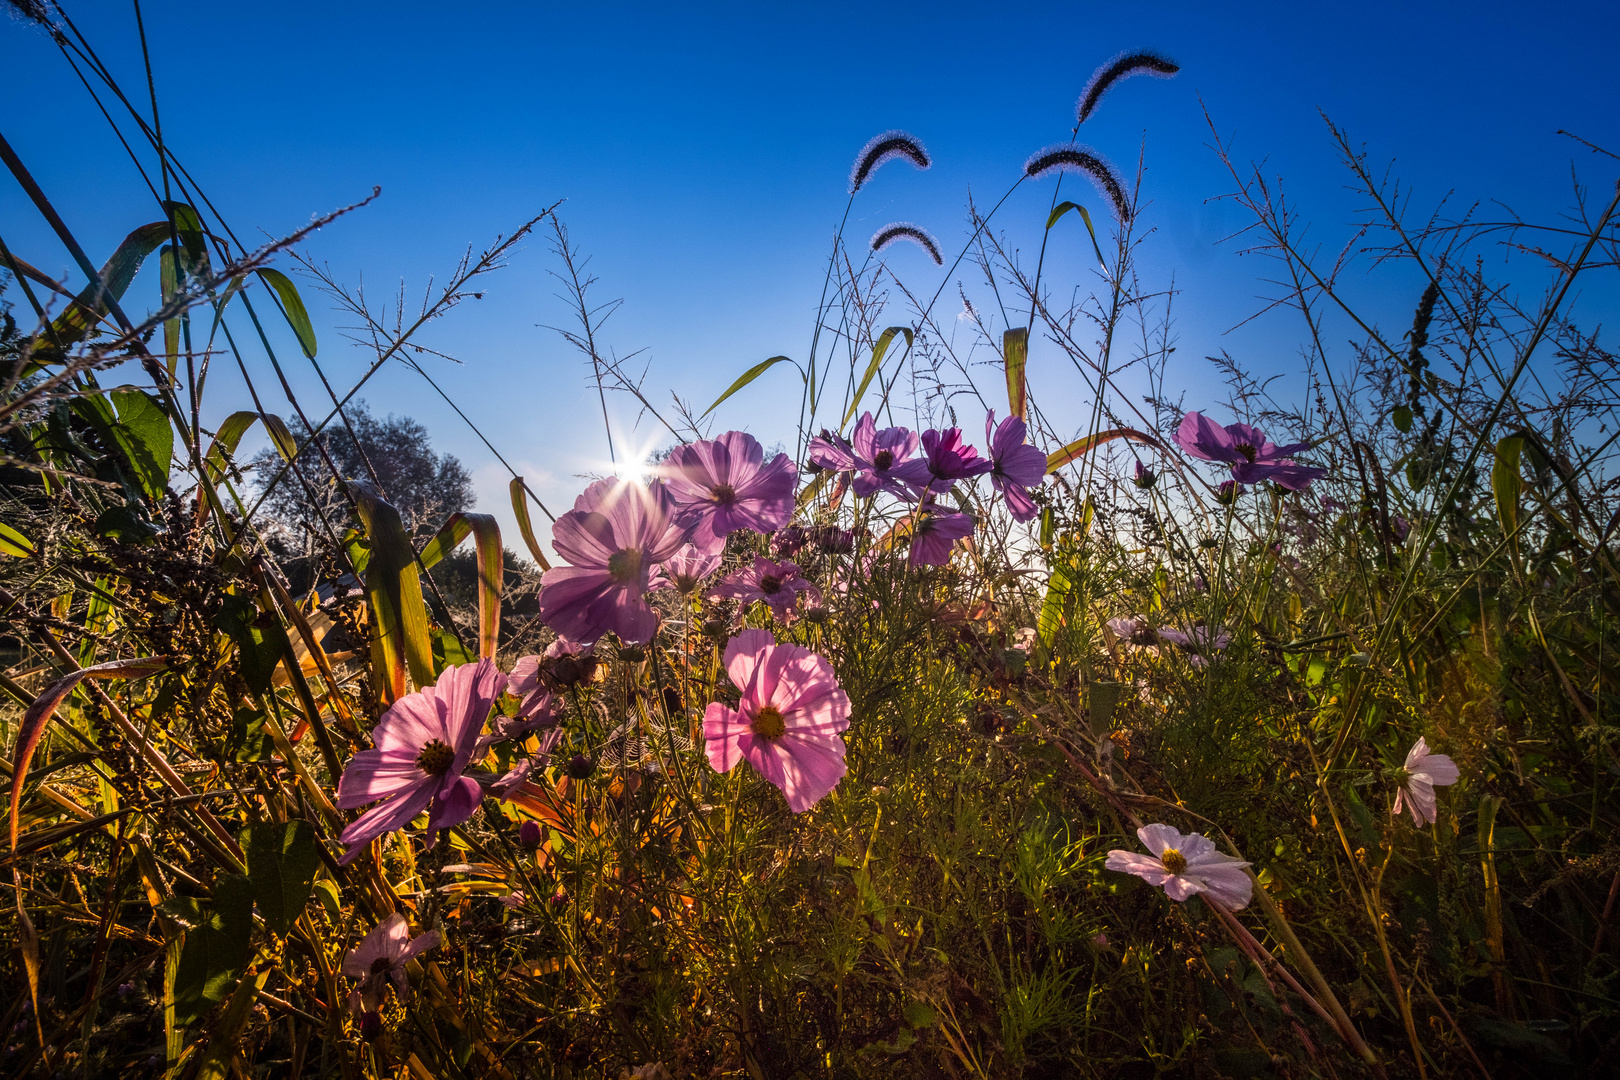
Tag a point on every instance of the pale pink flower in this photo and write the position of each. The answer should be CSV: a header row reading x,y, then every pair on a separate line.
x,y
685,570
724,484
1423,773
423,744
382,956
777,584
1184,864
616,534
786,724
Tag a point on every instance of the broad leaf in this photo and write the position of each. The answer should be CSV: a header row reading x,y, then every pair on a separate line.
x,y
216,950
145,436
281,863
400,640
14,543
491,570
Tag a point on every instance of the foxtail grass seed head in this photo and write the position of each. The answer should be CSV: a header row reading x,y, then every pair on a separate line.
x,y
1072,157
885,148
904,230
1123,66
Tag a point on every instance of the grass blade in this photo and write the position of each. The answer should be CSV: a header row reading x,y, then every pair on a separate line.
x,y
745,378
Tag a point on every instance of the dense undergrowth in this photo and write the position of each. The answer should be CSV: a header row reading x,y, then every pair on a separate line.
x,y
1161,639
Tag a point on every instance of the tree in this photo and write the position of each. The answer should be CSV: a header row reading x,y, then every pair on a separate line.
x,y
394,453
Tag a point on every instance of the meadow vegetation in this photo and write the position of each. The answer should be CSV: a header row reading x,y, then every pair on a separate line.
x,y
1125,744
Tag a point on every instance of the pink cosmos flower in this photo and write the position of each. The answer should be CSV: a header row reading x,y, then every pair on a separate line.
x,y
1423,773
878,458
724,484
382,956
1184,864
1197,641
933,533
1253,457
424,743
788,721
947,459
614,537
685,570
1015,466
777,584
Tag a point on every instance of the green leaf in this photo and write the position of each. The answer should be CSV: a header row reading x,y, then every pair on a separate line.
x,y
261,640
292,306
1015,355
169,284
1403,419
491,570
281,863
1080,447
75,324
326,890
1063,208
247,740
145,436
14,543
1054,609
520,510
400,638
878,350
1506,481
215,951
747,377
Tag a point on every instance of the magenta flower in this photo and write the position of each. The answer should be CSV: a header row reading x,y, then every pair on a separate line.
x,y
724,484
685,570
382,956
424,743
1253,457
1015,467
947,459
535,702
777,584
1423,773
932,534
1184,864
788,721
614,537
879,459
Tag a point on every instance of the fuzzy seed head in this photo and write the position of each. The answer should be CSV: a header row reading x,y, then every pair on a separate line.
x,y
904,230
1072,157
884,148
1123,66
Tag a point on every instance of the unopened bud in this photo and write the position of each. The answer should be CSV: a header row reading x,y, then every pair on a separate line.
x,y
530,834
580,766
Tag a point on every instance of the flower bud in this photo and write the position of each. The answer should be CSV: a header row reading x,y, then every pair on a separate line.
x,y
1145,477
580,766
817,615
1228,492
530,834
371,1025
632,654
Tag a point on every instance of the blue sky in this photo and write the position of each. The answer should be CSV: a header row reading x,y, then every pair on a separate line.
x,y
703,153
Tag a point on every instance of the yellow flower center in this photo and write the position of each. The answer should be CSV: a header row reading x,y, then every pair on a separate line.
x,y
769,723
1173,860
624,565
435,758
